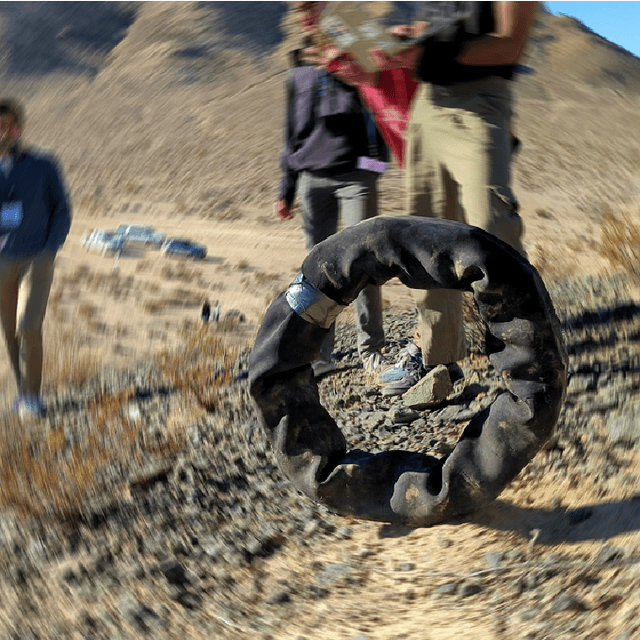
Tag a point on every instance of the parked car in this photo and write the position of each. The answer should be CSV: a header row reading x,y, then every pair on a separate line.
x,y
184,247
141,234
103,240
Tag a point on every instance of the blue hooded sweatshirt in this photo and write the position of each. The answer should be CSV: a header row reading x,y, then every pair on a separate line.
x,y
34,187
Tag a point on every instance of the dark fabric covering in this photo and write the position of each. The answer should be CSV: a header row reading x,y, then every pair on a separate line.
x,y
524,344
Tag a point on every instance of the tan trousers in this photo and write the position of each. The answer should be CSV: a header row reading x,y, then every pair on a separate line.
x,y
25,339
458,168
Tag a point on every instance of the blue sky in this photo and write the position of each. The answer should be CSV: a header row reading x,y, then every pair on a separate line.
x,y
615,21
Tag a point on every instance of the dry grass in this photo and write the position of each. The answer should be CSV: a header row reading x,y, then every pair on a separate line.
x,y
154,306
262,278
46,471
243,264
68,360
180,270
231,214
204,364
42,473
553,266
620,242
87,311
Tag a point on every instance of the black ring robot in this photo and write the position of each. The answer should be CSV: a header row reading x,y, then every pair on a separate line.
x,y
524,343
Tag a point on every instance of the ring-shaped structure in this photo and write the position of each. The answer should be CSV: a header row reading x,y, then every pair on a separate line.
x,y
523,342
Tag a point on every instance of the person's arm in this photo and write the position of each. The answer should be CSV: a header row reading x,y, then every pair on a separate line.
x,y
60,220
504,46
289,175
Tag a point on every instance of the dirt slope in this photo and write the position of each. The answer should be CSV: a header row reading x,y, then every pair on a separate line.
x,y
172,117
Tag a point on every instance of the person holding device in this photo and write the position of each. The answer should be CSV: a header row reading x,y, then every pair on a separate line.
x,y
458,147
332,158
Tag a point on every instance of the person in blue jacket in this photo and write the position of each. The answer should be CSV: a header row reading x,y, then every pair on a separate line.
x,y
35,219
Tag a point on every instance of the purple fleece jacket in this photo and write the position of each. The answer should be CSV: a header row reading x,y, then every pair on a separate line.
x,y
324,129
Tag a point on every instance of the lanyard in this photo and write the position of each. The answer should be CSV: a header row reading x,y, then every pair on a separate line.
x,y
10,193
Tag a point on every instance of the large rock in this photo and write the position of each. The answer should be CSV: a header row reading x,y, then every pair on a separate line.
x,y
431,390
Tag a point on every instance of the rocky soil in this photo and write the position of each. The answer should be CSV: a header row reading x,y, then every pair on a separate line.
x,y
148,504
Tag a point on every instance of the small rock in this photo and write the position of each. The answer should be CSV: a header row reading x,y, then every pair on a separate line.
x,y
344,533
608,554
566,602
279,597
624,428
494,559
402,415
447,589
555,504
469,589
334,573
174,573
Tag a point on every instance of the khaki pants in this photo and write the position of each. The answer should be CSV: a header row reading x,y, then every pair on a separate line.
x,y
25,339
458,167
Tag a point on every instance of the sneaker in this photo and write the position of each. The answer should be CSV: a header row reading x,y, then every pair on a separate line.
x,y
374,361
410,360
322,367
413,376
403,384
29,406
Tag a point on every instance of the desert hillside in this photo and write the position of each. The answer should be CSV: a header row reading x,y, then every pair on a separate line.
x,y
147,503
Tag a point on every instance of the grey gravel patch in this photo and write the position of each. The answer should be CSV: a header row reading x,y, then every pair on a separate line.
x,y
221,507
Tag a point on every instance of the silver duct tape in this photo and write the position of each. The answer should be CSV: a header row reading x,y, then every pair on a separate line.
x,y
311,304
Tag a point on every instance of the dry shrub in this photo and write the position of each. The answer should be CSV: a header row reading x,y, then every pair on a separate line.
x,y
95,326
55,299
243,264
67,360
180,270
80,273
231,214
202,366
475,328
144,265
122,331
556,266
43,473
620,242
262,278
87,311
154,306
179,297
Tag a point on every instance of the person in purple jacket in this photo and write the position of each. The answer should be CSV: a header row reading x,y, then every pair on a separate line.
x,y
327,138
35,219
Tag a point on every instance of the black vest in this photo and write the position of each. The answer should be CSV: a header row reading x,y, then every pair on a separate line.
x,y
438,65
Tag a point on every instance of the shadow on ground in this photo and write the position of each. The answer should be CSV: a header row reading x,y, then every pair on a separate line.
x,y
590,522
600,521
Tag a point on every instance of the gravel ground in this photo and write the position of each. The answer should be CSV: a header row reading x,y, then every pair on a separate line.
x,y
148,504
